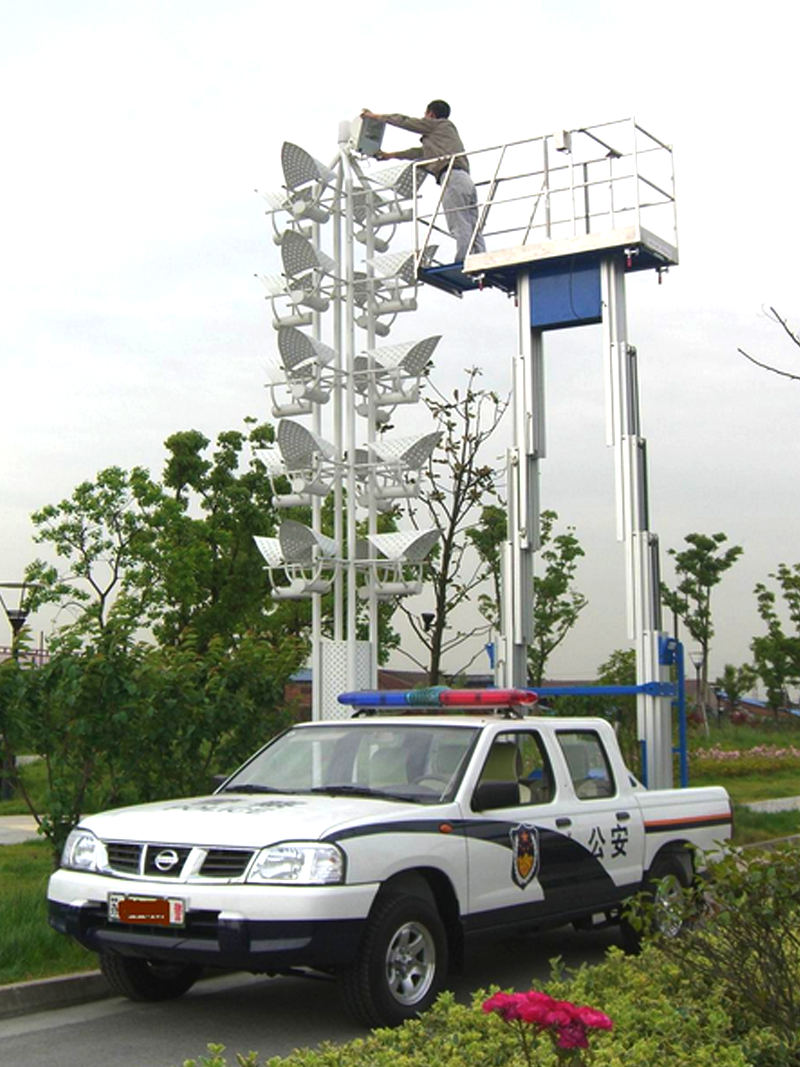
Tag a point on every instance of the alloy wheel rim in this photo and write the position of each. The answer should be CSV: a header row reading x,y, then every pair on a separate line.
x,y
410,963
669,906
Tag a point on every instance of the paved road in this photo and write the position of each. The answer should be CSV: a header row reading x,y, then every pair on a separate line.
x,y
17,828
243,1012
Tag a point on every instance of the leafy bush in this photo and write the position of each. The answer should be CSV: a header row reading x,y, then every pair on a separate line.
x,y
743,940
658,1016
119,722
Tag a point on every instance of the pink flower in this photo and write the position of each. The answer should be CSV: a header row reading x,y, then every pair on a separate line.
x,y
559,1016
506,1005
594,1019
564,1022
573,1035
533,996
536,1008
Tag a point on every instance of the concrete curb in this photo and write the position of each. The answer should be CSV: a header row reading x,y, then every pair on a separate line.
x,y
47,994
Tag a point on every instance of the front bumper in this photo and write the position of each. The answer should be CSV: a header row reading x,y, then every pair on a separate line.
x,y
237,927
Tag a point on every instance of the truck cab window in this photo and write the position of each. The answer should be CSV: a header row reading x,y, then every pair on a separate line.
x,y
519,759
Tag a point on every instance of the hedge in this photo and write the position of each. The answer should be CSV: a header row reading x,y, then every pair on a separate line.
x,y
660,1020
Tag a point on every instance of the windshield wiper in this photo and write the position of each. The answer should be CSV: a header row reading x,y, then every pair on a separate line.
x,y
355,791
250,788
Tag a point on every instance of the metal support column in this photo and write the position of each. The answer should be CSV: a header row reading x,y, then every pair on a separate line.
x,y
641,547
523,494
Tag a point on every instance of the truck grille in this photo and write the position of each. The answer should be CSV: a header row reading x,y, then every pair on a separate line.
x,y
140,859
225,862
123,857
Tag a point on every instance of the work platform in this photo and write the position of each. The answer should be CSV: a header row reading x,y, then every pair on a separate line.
x,y
550,202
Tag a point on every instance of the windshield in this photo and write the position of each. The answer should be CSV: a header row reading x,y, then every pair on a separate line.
x,y
415,762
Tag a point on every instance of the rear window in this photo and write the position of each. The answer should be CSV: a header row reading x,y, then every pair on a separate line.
x,y
588,764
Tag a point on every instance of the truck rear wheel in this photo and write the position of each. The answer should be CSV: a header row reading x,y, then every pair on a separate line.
x,y
139,979
401,964
664,885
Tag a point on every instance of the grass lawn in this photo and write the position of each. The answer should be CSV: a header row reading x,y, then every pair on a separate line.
x,y
751,826
34,775
29,948
777,777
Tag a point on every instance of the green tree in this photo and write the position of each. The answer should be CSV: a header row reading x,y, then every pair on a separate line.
x,y
776,653
101,535
556,602
117,718
620,669
117,721
73,711
203,567
488,537
459,481
736,682
171,556
698,569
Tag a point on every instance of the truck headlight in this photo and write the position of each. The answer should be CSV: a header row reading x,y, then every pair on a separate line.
x,y
300,863
83,852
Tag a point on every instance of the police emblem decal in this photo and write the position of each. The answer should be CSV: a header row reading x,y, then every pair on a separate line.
x,y
525,854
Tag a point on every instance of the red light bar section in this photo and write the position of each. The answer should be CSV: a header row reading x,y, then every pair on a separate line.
x,y
488,698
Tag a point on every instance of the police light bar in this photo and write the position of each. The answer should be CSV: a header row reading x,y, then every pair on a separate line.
x,y
440,696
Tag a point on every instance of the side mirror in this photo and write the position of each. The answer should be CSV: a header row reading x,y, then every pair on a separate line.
x,y
491,795
217,781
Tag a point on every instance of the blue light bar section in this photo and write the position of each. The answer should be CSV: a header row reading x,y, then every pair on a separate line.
x,y
375,699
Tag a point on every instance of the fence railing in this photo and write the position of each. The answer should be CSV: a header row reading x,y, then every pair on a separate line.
x,y
569,184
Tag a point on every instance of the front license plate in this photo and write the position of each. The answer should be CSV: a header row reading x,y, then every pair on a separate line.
x,y
154,911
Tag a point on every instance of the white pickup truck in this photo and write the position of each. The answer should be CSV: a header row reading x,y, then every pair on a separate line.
x,y
371,848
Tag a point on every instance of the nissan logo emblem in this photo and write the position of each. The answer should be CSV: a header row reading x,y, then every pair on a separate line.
x,y
166,859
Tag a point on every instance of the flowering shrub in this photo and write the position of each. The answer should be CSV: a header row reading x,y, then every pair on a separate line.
x,y
565,1023
758,751
734,762
744,937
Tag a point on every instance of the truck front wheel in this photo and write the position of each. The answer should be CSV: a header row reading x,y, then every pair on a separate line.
x,y
147,979
401,963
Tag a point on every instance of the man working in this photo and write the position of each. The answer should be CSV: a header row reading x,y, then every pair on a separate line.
x,y
440,138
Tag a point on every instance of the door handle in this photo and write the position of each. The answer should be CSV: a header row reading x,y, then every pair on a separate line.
x,y
563,821
622,816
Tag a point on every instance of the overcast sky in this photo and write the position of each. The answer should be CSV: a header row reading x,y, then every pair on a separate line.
x,y
134,133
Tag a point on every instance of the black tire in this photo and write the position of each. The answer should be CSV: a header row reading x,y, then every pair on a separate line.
x,y
664,885
147,979
401,964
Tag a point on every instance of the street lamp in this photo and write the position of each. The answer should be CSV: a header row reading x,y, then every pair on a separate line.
x,y
696,656
17,617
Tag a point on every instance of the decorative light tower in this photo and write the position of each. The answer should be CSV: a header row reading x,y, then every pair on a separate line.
x,y
338,295
565,218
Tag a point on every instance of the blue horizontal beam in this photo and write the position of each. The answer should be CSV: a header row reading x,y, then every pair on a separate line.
x,y
651,689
